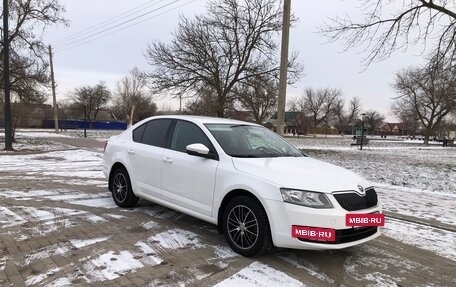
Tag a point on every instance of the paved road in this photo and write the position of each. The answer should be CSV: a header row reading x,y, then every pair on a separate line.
x,y
85,143
60,228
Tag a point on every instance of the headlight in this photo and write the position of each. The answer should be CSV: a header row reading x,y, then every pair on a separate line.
x,y
306,198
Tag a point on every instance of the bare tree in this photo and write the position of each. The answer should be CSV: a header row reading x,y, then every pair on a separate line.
x,y
429,91
205,103
230,44
314,102
92,99
259,96
374,119
332,96
28,19
408,117
345,116
132,100
413,22
319,104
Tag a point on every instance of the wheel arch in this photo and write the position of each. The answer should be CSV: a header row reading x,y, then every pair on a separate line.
x,y
114,167
228,197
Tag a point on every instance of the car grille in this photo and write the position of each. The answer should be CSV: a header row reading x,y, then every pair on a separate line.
x,y
353,201
347,235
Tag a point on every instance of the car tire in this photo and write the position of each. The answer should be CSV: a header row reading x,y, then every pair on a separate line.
x,y
122,192
246,227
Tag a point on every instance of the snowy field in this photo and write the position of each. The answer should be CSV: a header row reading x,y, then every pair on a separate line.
x,y
56,209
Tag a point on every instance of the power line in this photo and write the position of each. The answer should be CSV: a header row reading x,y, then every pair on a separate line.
x,y
91,37
106,22
95,33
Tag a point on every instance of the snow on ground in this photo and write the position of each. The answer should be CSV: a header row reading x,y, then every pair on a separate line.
x,y
425,237
50,133
83,243
259,274
176,239
31,144
56,165
411,180
112,264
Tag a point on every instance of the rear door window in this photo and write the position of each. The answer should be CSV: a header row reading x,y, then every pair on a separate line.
x,y
138,133
155,132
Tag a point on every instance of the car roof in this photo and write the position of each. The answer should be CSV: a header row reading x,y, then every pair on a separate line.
x,y
203,119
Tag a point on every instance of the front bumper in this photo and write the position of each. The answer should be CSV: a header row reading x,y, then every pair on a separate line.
x,y
282,216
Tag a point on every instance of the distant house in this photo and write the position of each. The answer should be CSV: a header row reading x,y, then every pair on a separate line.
x,y
393,129
295,123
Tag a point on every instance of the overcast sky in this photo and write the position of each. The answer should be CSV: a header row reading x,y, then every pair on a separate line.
x,y
110,58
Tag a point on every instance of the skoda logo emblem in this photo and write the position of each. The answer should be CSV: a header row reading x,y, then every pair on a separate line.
x,y
361,189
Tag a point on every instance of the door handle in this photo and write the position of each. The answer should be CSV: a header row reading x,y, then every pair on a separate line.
x,y
130,151
168,160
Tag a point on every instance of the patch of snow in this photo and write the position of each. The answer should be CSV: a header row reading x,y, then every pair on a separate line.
x,y
177,238
259,274
61,282
78,243
383,280
3,263
115,216
104,202
38,214
45,252
435,240
35,279
420,204
9,218
149,224
308,267
150,255
112,265
224,252
94,218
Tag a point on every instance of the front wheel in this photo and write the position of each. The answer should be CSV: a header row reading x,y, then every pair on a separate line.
x,y
246,226
121,189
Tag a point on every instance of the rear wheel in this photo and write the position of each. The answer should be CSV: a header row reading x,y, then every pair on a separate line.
x,y
121,189
246,226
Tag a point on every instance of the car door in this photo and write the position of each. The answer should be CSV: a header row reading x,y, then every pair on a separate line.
x,y
146,154
188,180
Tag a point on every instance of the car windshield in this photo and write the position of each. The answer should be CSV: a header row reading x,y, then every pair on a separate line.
x,y
251,141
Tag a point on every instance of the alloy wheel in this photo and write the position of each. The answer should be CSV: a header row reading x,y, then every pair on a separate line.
x,y
242,227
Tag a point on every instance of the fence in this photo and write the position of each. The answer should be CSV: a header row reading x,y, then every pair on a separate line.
x,y
78,124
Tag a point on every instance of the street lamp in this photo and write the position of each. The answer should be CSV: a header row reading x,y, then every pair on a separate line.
x,y
363,115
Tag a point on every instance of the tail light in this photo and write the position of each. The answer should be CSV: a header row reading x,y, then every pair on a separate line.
x,y
105,145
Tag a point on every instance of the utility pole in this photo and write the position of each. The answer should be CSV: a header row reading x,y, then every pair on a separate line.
x,y
283,66
54,99
6,79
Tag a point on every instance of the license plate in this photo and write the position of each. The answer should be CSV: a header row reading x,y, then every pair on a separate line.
x,y
313,233
364,219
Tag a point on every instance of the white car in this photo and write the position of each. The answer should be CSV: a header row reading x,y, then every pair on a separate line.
x,y
255,186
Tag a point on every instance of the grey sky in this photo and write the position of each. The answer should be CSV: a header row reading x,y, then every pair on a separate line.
x,y
109,58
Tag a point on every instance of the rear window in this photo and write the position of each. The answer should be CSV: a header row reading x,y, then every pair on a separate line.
x,y
138,133
155,132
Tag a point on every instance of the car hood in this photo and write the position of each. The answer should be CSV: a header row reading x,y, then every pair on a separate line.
x,y
301,173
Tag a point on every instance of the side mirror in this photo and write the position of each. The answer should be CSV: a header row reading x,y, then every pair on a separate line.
x,y
197,149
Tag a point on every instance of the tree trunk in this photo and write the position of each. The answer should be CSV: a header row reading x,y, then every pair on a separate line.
x,y
427,134
132,114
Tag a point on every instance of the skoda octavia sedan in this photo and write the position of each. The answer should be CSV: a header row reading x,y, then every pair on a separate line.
x,y
258,189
